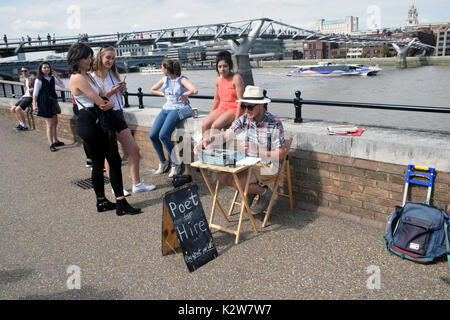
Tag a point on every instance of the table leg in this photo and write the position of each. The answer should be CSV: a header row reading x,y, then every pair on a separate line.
x,y
216,201
245,205
233,203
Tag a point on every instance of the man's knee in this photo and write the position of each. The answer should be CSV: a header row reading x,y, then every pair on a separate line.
x,y
13,109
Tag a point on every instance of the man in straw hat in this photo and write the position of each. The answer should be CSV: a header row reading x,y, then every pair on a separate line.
x,y
264,138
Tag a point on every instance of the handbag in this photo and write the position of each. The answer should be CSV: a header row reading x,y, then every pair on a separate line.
x,y
107,120
185,111
179,180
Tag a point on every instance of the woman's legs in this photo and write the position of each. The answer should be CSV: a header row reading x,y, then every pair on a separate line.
x,y
130,145
223,121
165,134
51,124
154,134
208,122
49,129
115,168
94,140
100,147
54,127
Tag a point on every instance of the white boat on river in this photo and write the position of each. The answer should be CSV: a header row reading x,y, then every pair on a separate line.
x,y
328,69
150,70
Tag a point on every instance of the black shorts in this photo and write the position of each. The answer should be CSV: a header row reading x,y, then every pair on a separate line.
x,y
24,102
121,118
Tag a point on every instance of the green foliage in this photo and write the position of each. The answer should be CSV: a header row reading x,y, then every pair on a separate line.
x,y
385,50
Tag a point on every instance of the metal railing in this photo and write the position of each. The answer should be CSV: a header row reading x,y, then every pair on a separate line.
x,y
298,102
15,89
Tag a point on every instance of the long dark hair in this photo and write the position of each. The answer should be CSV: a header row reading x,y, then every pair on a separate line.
x,y
173,66
78,51
40,74
225,56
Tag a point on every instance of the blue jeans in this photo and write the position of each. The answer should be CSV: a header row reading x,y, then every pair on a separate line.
x,y
162,130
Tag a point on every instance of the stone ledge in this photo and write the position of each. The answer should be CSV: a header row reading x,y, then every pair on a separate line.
x,y
400,147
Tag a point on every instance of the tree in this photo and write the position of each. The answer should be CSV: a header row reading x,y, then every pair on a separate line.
x,y
385,50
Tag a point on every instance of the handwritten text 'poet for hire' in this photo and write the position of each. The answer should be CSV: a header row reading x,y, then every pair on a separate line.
x,y
186,209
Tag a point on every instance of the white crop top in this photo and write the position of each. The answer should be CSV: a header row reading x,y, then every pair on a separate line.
x,y
83,101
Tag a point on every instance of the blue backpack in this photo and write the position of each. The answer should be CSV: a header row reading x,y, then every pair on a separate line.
x,y
418,231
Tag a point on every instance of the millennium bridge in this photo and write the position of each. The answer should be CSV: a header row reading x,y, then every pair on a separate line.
x,y
239,34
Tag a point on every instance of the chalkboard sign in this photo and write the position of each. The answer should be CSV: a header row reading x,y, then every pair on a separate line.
x,y
191,227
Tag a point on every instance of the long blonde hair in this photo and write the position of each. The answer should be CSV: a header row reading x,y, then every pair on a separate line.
x,y
98,65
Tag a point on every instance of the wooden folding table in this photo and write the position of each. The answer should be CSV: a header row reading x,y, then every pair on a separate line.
x,y
214,193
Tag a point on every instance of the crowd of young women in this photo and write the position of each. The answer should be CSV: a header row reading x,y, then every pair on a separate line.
x,y
97,88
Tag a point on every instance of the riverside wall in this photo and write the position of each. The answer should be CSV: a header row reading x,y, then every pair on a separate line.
x,y
387,62
360,178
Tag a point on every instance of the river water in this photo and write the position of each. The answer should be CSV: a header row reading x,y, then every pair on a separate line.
x,y
423,86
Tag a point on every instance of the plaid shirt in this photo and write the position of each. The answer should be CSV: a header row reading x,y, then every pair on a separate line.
x,y
268,134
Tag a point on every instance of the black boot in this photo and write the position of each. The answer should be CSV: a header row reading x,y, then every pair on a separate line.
x,y
105,205
122,207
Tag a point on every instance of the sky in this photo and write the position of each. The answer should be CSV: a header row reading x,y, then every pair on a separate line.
x,y
70,17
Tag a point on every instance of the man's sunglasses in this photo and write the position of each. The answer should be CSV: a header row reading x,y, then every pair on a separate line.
x,y
249,107
24,70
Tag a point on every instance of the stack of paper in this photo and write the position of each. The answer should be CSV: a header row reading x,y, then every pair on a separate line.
x,y
342,129
248,161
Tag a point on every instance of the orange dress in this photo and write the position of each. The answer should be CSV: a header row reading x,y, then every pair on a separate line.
x,y
227,95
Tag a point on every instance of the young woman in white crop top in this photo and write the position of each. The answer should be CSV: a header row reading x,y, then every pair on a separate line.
x,y
99,144
108,79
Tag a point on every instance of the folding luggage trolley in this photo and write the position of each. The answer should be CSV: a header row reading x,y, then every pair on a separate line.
x,y
409,179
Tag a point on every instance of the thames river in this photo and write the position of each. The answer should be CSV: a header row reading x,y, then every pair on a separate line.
x,y
423,86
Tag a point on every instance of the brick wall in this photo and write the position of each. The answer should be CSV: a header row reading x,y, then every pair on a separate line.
x,y
329,184
369,189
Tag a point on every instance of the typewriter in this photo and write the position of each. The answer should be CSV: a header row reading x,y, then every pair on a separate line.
x,y
220,157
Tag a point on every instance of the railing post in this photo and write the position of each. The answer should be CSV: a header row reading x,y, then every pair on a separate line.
x,y
4,90
125,97
141,98
63,96
12,91
298,107
265,96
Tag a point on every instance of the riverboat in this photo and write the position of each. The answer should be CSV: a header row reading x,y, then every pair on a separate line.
x,y
329,69
150,70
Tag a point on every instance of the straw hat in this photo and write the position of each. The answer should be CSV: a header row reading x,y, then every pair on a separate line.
x,y
254,95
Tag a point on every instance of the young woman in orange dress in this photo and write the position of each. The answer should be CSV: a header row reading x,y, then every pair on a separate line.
x,y
229,87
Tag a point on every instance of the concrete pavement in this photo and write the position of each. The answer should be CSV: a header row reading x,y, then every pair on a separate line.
x,y
49,224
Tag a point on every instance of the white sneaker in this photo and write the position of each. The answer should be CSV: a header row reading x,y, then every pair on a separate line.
x,y
142,187
162,167
125,193
174,170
